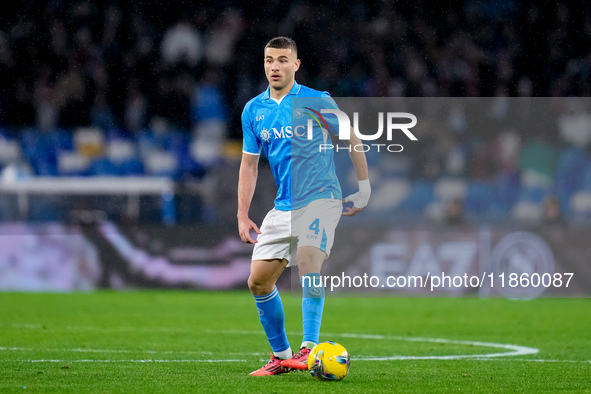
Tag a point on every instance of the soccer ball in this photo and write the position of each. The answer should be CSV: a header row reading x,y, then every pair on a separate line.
x,y
328,361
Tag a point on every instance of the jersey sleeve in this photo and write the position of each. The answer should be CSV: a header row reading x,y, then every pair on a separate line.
x,y
250,143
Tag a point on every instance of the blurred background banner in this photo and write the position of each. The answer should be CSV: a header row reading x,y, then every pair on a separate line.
x,y
481,261
75,257
50,257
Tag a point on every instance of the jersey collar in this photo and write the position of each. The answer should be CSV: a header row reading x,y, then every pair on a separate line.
x,y
295,89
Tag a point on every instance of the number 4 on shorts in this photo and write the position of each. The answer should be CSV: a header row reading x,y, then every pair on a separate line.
x,y
315,226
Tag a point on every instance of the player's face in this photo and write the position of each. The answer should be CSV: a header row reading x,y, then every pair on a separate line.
x,y
281,65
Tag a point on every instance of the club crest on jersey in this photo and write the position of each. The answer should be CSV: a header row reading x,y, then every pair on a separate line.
x,y
265,135
298,113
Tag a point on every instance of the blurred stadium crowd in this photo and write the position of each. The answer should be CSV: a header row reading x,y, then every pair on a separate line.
x,y
132,88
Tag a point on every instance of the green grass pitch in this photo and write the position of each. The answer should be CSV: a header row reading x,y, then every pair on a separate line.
x,y
182,341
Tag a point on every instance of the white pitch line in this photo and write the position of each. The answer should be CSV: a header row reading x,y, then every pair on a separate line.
x,y
37,326
25,325
237,360
129,361
533,360
513,350
82,350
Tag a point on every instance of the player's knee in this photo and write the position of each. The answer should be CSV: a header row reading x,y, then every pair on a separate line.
x,y
307,265
304,264
258,286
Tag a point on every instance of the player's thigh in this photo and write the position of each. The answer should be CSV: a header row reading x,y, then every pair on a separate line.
x,y
309,259
315,225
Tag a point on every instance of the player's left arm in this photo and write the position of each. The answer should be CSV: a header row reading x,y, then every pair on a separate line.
x,y
361,198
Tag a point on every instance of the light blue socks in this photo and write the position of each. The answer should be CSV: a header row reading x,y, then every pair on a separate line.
x,y
272,317
312,307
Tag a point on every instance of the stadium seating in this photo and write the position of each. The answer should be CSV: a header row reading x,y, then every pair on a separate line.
x,y
581,207
479,199
173,154
421,194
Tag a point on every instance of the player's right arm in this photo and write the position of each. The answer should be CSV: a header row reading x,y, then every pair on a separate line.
x,y
247,180
247,177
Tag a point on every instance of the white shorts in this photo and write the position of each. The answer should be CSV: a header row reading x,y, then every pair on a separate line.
x,y
282,232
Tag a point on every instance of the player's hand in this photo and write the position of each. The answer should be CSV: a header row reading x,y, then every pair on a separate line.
x,y
244,227
359,199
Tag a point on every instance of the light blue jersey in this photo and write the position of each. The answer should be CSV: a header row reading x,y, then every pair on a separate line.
x,y
303,172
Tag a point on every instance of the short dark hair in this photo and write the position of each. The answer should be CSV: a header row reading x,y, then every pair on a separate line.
x,y
282,43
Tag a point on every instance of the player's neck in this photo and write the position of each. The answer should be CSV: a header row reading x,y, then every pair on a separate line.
x,y
279,94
